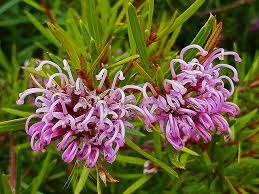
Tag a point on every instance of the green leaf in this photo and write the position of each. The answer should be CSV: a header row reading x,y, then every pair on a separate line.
x,y
150,157
143,73
110,18
168,25
201,37
3,59
82,180
7,5
34,72
100,56
93,50
124,61
34,4
98,185
244,120
92,20
175,160
54,58
73,27
85,32
134,132
137,184
138,35
12,125
45,32
42,174
5,184
171,41
182,18
17,112
254,69
130,160
157,144
67,43
128,176
150,14
189,151
159,78
130,34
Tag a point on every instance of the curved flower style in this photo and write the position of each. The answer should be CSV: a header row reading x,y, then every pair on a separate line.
x,y
194,100
86,123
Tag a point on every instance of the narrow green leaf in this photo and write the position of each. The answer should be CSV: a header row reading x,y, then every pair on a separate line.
x,y
98,185
5,184
183,17
93,49
124,61
17,112
13,21
73,27
11,128
54,58
45,32
134,132
103,52
42,174
172,40
254,68
201,37
128,176
242,121
3,59
34,4
232,188
143,73
150,157
130,160
92,20
174,159
138,35
34,72
130,35
159,78
132,188
157,144
167,26
150,14
189,151
239,151
85,32
8,5
82,180
72,50
56,7
18,171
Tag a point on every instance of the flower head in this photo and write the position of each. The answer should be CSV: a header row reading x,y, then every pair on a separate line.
x,y
85,123
194,101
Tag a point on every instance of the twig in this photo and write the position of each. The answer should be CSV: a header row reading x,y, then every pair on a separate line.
x,y
226,7
48,11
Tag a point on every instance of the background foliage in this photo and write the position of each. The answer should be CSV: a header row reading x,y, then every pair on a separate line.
x,y
140,40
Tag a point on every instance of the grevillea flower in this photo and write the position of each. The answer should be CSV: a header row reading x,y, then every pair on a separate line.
x,y
194,101
85,123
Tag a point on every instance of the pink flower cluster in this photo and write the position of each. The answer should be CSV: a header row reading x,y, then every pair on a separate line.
x,y
194,101
89,123
86,123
